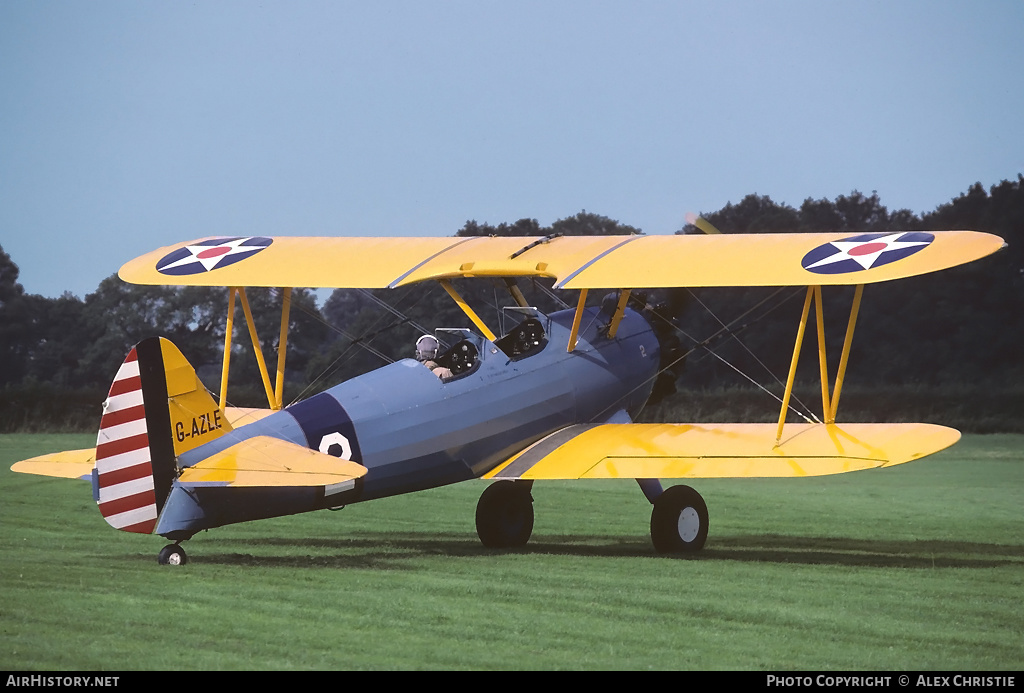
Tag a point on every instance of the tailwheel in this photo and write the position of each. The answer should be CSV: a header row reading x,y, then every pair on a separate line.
x,y
172,554
679,521
504,515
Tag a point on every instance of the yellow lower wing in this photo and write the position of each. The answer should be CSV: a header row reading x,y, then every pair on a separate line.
x,y
692,451
266,461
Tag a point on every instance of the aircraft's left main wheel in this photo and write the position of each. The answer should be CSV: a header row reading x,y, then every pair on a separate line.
x,y
172,554
504,515
679,521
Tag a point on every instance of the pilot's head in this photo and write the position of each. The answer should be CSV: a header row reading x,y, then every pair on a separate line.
x,y
426,348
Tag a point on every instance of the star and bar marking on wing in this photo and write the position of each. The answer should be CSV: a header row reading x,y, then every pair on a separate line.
x,y
211,254
863,252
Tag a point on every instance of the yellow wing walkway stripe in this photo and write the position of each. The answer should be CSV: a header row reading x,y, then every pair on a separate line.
x,y
436,255
593,260
541,449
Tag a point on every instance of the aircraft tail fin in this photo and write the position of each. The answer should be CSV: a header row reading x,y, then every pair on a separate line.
x,y
156,409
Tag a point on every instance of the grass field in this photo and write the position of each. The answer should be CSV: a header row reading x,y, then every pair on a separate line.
x,y
919,567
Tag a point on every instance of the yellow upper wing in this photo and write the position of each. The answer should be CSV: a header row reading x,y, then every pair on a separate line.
x,y
694,451
575,262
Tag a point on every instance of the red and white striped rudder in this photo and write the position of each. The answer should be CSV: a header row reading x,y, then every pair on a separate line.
x,y
134,457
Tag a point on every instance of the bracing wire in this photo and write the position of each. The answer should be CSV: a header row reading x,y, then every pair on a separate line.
x,y
705,345
734,334
361,341
394,311
550,294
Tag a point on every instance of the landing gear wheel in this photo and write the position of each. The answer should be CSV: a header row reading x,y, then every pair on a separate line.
x,y
172,554
504,515
679,521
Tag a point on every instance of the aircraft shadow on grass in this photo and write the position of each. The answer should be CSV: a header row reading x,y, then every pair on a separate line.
x,y
394,551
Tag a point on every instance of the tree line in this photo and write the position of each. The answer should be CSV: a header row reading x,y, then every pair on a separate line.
x,y
960,328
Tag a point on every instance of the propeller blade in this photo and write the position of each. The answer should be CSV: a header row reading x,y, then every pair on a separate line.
x,y
701,223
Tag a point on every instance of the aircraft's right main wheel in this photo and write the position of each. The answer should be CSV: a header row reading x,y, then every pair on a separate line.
x,y
172,554
679,521
504,515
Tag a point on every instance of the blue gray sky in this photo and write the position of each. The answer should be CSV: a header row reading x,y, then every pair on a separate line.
x,y
126,126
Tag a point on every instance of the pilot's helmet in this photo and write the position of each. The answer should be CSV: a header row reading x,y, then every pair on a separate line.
x,y
426,348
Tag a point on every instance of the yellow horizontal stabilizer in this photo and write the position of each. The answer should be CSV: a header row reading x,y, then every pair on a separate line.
x,y
691,451
70,464
266,461
575,262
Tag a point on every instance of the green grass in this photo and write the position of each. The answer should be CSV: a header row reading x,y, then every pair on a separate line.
x,y
919,567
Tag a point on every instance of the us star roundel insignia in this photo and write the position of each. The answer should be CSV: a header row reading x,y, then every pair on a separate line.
x,y
863,252
206,256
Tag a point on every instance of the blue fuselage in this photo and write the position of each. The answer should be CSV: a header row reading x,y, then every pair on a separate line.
x,y
413,431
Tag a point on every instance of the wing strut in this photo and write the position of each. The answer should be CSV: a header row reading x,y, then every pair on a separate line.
x,y
830,405
844,359
517,295
576,319
282,346
470,313
271,399
229,329
620,310
275,393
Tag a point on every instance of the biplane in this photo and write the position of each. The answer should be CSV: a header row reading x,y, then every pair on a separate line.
x,y
548,396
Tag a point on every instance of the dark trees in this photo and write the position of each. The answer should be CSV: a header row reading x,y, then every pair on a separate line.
x,y
958,327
